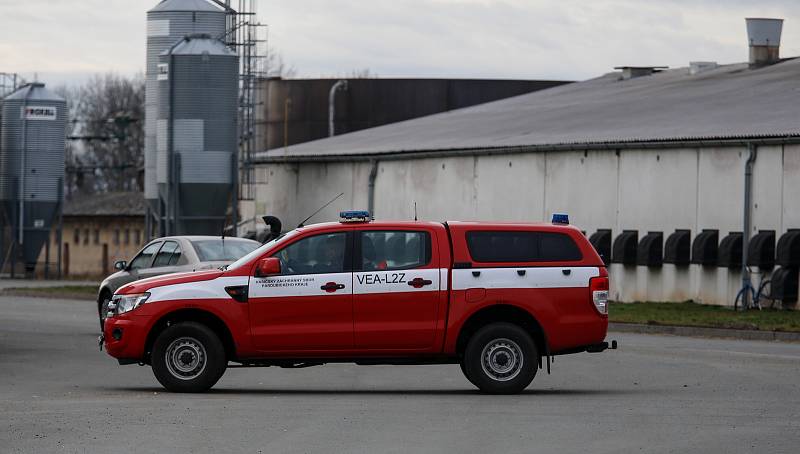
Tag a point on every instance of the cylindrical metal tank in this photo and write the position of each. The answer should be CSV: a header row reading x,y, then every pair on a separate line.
x,y
32,144
167,23
197,137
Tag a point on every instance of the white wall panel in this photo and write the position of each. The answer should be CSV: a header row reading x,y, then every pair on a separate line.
x,y
645,190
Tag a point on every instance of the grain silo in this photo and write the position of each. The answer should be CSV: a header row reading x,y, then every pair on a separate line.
x,y
32,145
167,23
197,134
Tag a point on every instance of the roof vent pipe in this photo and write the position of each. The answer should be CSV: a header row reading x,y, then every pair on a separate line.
x,y
764,36
339,85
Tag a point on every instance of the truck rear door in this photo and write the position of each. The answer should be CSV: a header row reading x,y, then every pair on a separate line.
x,y
397,289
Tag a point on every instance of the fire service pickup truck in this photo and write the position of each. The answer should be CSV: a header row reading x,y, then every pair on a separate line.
x,y
498,299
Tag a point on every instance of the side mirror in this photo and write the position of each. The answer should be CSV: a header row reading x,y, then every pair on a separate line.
x,y
120,265
269,266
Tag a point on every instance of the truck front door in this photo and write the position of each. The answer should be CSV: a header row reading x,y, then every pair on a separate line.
x,y
309,307
396,290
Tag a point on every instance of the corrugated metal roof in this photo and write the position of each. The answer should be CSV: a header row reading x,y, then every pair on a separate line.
x,y
187,5
729,102
106,204
37,91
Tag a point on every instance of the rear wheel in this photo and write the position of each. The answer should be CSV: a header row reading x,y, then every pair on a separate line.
x,y
501,358
188,357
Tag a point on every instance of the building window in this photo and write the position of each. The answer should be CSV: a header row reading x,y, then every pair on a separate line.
x,y
96,236
127,236
76,238
116,236
137,237
85,236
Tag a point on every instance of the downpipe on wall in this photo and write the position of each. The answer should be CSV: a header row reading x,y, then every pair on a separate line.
x,y
373,175
747,286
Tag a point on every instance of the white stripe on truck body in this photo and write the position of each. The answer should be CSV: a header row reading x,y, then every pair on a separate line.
x,y
299,285
537,277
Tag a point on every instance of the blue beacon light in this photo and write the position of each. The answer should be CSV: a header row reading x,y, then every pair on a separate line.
x,y
354,215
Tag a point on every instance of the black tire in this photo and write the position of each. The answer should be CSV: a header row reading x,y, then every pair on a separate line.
x,y
188,357
501,358
463,365
102,308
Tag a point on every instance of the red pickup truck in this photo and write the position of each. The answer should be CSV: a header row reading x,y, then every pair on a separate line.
x,y
499,299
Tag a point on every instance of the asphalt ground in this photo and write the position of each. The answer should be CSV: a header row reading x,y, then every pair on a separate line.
x,y
58,393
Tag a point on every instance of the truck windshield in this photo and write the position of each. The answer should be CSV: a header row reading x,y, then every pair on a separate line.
x,y
247,258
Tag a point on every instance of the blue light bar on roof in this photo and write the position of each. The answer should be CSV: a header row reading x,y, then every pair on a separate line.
x,y
354,216
559,218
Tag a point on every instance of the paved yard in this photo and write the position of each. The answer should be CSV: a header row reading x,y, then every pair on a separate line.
x,y
58,393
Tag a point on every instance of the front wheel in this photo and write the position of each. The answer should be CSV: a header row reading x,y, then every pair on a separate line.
x,y
501,358
188,357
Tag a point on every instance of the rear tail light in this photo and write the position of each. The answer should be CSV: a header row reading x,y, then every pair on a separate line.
x,y
599,288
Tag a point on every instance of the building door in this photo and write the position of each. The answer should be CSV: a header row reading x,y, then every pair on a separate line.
x,y
105,259
65,259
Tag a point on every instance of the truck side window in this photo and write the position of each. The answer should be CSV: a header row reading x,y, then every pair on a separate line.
x,y
519,246
315,255
394,250
145,257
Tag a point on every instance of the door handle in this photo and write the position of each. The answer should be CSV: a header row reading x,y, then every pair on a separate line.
x,y
521,272
331,287
419,282
566,272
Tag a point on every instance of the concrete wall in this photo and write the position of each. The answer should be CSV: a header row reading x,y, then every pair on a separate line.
x,y
644,190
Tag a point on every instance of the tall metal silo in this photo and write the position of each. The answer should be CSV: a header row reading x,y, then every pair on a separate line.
x,y
32,144
197,138
167,23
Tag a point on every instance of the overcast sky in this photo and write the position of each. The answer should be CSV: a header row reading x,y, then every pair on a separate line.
x,y
65,41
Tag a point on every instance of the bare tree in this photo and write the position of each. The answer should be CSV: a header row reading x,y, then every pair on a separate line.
x,y
106,135
73,148
277,67
364,73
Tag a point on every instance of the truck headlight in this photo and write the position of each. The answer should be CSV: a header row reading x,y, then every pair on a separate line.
x,y
121,304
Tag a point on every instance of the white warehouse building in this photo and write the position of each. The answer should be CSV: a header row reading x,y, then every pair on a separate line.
x,y
637,152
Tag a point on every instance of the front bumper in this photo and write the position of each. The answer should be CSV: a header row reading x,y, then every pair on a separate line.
x,y
124,337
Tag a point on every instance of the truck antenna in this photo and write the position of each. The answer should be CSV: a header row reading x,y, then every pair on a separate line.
x,y
320,209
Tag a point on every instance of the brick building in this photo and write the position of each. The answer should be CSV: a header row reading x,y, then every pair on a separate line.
x,y
98,230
